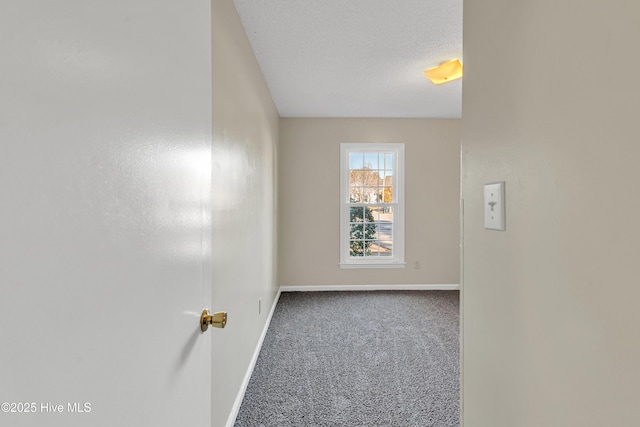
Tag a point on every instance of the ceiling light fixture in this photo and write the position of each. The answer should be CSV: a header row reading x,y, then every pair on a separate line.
x,y
445,72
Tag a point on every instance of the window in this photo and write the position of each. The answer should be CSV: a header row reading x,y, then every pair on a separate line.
x,y
371,205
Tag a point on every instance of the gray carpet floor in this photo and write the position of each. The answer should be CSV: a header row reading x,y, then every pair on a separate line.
x,y
379,358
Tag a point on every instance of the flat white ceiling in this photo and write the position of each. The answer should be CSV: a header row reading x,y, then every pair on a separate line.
x,y
356,58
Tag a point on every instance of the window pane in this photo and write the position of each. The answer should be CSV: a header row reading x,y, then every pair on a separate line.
x,y
386,213
357,231
356,177
368,248
369,231
372,195
356,248
386,195
373,249
373,215
355,194
386,225
386,248
371,160
388,161
356,214
356,160
375,230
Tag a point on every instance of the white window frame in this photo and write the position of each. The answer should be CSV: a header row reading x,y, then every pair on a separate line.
x,y
397,259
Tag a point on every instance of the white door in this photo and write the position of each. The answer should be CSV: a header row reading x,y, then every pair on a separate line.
x,y
104,213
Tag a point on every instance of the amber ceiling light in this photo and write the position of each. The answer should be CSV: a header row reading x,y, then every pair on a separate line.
x,y
445,72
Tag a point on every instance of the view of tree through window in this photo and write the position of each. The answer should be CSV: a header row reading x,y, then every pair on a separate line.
x,y
371,204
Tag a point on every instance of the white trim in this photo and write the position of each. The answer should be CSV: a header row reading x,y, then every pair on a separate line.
x,y
316,288
398,203
247,376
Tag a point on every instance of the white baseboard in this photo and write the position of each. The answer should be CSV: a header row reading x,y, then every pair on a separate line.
x,y
247,376
443,287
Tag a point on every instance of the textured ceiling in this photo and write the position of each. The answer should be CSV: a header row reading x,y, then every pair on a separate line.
x,y
356,58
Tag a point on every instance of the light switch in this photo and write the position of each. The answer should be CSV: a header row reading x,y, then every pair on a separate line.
x,y
494,206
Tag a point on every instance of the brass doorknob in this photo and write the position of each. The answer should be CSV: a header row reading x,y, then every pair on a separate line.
x,y
217,320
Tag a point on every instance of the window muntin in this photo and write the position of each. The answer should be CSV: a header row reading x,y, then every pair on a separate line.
x,y
371,204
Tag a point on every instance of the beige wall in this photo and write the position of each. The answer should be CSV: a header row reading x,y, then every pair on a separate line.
x,y
244,148
550,105
310,210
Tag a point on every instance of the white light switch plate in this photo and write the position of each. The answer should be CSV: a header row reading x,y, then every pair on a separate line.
x,y
494,206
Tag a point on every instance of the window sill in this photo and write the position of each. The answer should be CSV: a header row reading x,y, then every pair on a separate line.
x,y
372,265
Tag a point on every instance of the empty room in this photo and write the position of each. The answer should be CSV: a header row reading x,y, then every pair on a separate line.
x,y
319,213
